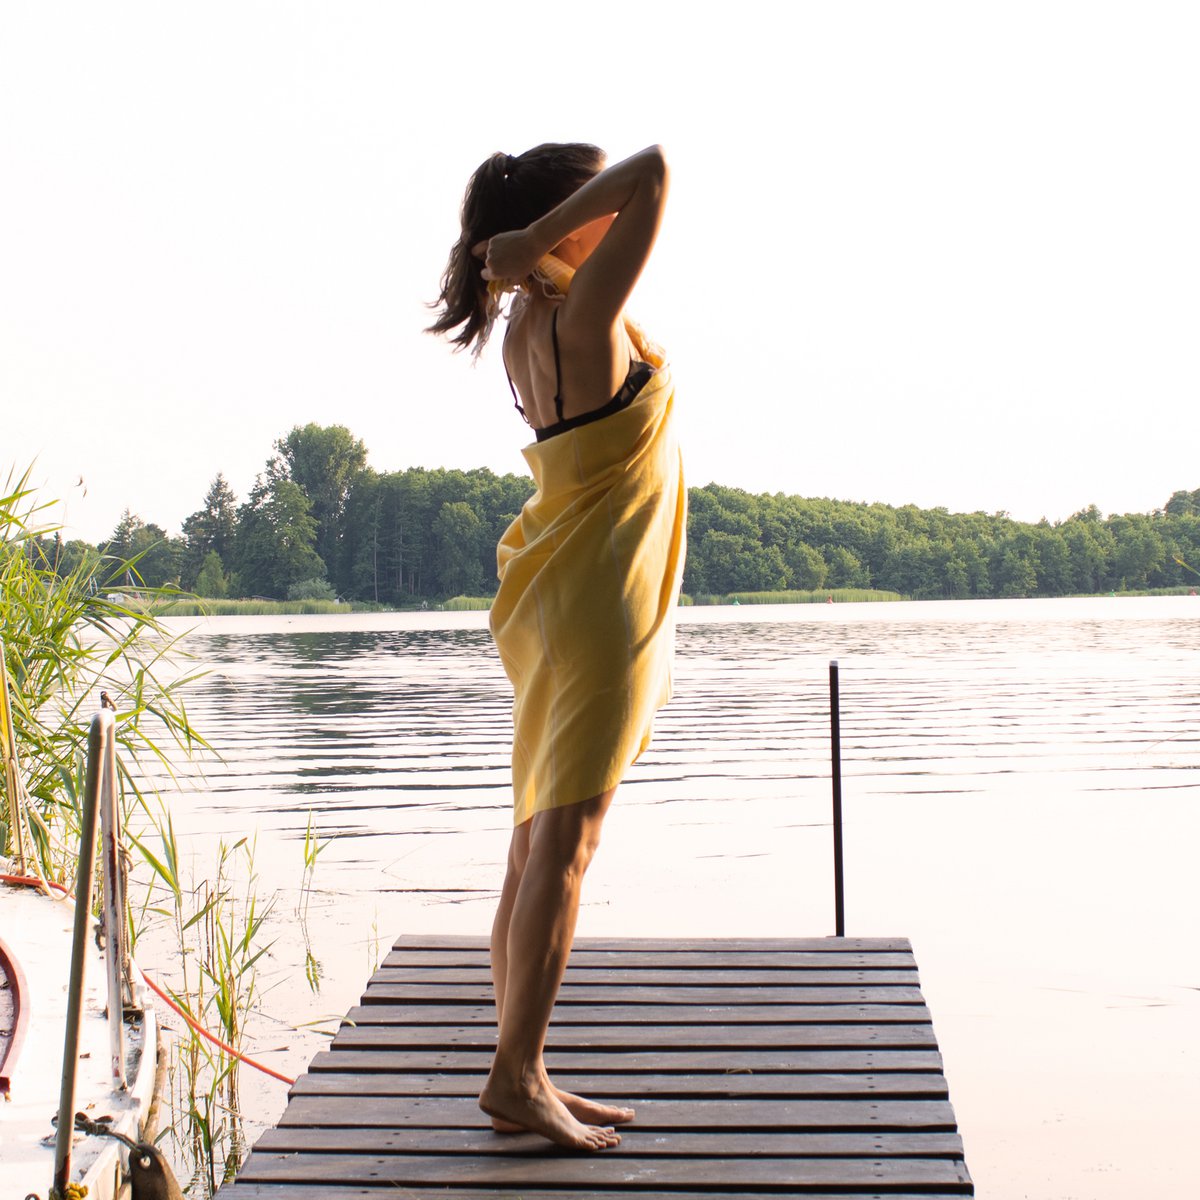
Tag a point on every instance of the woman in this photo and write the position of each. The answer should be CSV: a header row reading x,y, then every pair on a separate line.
x,y
589,571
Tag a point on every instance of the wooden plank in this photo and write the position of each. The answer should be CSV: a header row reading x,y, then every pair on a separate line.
x,y
452,1112
633,1141
779,960
420,941
636,1015
480,993
673,1061
586,1037
931,1085
655,977
324,1191
759,1067
613,1168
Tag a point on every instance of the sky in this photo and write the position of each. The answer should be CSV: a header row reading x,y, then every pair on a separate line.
x,y
933,253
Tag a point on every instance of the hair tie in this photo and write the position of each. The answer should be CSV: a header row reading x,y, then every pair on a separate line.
x,y
510,164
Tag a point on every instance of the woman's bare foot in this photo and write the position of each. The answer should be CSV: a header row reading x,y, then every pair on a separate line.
x,y
533,1105
582,1109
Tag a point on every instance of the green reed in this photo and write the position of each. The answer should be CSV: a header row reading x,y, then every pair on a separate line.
x,y
467,604
313,846
218,926
69,633
67,637
815,596
180,605
312,851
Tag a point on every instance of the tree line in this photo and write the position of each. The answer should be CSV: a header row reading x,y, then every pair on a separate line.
x,y
320,523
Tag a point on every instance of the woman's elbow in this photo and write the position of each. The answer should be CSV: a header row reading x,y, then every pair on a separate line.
x,y
656,162
654,169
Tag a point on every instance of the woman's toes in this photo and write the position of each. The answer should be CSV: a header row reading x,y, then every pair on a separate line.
x,y
608,1137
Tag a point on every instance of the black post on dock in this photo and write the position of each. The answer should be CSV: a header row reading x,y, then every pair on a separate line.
x,y
835,751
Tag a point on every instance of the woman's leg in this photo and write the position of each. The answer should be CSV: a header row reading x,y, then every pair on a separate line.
x,y
518,853
588,1112
541,926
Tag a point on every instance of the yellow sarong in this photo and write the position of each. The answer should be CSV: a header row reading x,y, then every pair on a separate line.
x,y
589,581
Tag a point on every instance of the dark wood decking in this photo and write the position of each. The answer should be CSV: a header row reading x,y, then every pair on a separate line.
x,y
805,1066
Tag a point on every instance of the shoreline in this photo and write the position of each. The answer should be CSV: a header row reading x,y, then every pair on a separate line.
x,y
211,609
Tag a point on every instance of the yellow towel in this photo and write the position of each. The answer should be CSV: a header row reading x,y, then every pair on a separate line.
x,y
589,581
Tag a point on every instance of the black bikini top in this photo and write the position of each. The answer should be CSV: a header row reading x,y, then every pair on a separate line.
x,y
639,373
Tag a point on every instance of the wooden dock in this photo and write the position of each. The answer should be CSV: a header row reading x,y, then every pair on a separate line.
x,y
762,1067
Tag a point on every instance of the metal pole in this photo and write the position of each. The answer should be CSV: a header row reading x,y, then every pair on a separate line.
x,y
114,912
99,733
835,750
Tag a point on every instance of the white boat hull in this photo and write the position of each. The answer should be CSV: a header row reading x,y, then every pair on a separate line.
x,y
37,930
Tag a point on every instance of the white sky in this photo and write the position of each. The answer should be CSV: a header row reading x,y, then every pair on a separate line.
x,y
939,253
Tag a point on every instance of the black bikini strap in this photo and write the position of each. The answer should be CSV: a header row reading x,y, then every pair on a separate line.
x,y
512,387
516,399
558,404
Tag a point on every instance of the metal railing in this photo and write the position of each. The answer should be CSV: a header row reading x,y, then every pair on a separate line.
x,y
99,800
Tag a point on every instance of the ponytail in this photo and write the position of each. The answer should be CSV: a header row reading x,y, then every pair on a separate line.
x,y
506,192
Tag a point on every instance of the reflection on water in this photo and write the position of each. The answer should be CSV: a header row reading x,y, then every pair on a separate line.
x,y
1021,795
392,731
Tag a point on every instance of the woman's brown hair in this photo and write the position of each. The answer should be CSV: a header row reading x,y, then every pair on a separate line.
x,y
505,193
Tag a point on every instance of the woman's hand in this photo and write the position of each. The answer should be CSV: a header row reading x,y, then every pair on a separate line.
x,y
508,256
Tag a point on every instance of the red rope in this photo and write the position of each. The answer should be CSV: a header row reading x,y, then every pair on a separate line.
x,y
216,1041
31,881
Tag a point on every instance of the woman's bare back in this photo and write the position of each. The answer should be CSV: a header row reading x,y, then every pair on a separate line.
x,y
588,370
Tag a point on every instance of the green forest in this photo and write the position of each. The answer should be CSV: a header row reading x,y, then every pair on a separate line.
x,y
319,524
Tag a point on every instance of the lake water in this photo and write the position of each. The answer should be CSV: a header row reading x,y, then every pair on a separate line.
x,y
1022,799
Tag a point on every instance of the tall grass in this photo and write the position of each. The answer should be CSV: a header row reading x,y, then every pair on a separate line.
x,y
218,924
817,596
313,846
1177,590
178,605
467,603
65,640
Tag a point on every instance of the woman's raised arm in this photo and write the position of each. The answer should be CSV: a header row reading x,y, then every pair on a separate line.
x,y
636,191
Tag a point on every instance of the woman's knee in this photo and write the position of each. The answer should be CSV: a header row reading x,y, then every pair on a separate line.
x,y
518,850
570,835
